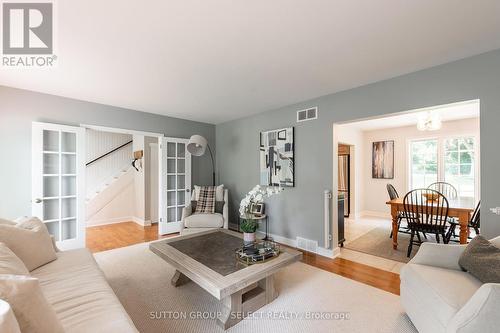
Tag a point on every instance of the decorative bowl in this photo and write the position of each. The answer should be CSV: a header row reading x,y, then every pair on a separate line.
x,y
431,196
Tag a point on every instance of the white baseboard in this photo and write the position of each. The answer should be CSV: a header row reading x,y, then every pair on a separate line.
x,y
109,221
375,214
141,222
329,253
120,219
356,215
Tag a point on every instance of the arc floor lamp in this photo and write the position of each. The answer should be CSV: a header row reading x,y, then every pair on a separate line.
x,y
197,146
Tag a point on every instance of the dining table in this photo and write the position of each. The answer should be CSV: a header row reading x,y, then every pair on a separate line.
x,y
460,208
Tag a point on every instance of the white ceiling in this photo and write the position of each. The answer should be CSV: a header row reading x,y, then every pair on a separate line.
x,y
218,60
456,111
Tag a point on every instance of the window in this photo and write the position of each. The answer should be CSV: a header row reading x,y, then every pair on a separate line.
x,y
459,165
450,159
424,163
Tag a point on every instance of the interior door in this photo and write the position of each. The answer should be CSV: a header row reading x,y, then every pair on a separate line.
x,y
58,183
176,183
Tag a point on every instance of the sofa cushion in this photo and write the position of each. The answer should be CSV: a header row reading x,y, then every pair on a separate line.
x,y
481,259
7,222
30,240
33,313
215,220
8,321
442,291
10,263
80,294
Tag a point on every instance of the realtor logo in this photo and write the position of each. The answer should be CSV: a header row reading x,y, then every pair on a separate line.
x,y
27,29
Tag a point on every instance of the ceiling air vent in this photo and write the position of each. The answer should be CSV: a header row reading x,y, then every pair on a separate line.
x,y
307,114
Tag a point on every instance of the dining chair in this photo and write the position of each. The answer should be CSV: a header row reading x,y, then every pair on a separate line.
x,y
474,223
446,189
393,194
426,211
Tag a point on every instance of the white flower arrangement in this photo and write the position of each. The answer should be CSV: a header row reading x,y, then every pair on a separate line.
x,y
257,195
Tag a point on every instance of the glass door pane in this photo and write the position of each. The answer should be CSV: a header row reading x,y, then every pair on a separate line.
x,y
50,141
177,183
57,168
459,163
68,142
424,163
51,182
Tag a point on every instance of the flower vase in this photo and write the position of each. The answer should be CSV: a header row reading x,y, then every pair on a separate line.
x,y
249,237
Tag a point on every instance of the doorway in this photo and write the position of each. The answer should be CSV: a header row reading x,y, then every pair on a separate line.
x,y
420,147
119,184
91,176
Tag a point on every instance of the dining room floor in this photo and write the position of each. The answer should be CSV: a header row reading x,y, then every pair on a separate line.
x,y
359,227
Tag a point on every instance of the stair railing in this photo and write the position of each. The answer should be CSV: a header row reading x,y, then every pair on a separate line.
x,y
109,152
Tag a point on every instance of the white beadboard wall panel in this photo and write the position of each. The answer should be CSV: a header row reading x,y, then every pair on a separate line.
x,y
100,142
104,170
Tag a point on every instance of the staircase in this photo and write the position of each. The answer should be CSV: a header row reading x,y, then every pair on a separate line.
x,y
112,196
110,176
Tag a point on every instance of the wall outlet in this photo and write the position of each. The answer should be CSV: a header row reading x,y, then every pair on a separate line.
x,y
495,210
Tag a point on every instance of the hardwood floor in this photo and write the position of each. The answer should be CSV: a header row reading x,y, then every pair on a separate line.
x,y
112,236
117,235
372,276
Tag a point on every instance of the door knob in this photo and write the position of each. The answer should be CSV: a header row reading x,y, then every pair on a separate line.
x,y
38,200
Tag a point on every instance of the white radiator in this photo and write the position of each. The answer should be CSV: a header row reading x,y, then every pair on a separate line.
x,y
328,199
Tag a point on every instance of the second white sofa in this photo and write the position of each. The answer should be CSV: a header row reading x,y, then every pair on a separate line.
x,y
439,297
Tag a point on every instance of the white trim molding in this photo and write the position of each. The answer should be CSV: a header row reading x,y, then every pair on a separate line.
x,y
373,213
329,253
120,219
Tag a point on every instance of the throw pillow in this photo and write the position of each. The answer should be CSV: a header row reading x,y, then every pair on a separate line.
x,y
30,241
481,259
8,321
33,313
219,206
10,263
219,192
206,201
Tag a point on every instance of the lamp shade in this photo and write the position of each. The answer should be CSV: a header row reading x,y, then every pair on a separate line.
x,y
197,145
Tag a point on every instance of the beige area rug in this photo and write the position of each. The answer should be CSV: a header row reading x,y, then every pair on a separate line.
x,y
142,282
377,242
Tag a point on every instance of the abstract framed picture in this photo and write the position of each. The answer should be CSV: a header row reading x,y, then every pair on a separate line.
x,y
277,160
383,160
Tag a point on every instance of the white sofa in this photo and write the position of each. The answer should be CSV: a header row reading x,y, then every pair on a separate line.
x,y
192,223
439,297
83,300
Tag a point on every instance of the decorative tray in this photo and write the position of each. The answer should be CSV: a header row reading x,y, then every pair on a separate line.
x,y
260,251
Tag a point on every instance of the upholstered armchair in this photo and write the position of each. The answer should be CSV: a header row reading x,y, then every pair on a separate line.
x,y
192,222
439,297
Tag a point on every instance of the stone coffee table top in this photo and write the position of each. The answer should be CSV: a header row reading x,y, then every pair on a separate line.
x,y
214,250
208,258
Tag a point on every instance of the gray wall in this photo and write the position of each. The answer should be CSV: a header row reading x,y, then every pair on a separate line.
x,y
18,108
299,211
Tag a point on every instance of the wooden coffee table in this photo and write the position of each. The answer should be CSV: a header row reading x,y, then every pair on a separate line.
x,y
208,259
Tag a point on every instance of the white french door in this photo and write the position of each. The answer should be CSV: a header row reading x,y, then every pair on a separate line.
x,y
58,189
176,184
